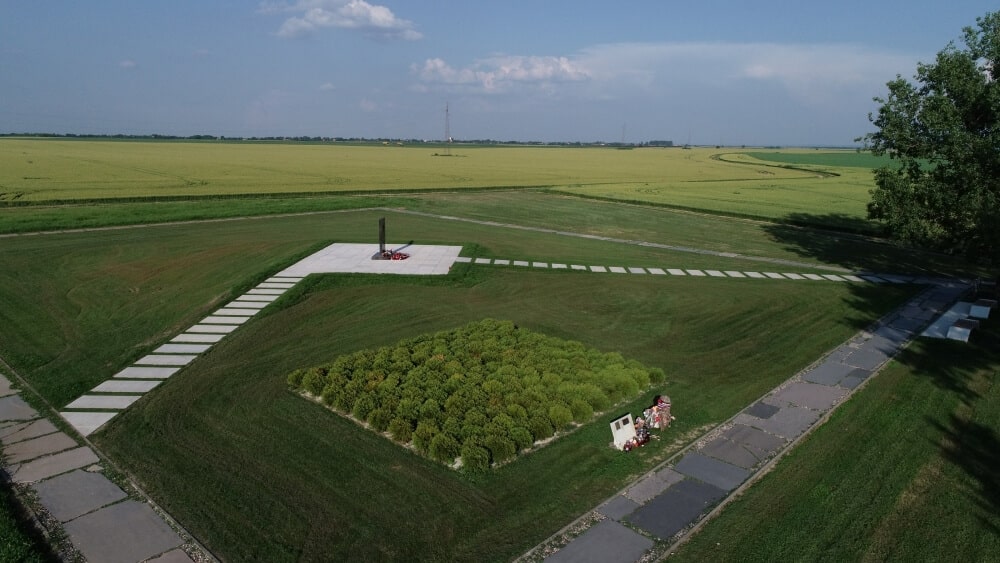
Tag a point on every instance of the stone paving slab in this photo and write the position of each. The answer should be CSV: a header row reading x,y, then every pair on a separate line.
x,y
165,360
735,274
256,299
636,270
578,267
760,443
852,381
463,260
676,508
285,279
646,488
38,447
100,535
712,471
5,388
715,273
814,277
792,276
13,407
258,305
173,556
26,431
540,264
214,329
669,476
618,507
788,422
111,402
76,493
774,275
617,270
499,262
828,373
656,271
867,358
182,349
676,272
761,410
755,275
810,395
730,452
49,466
606,542
198,337
224,320
275,285
482,261
86,423
520,263
146,372
851,277
833,277
266,292
599,269
126,386
698,273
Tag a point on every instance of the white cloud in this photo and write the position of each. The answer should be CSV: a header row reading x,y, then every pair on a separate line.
x,y
813,75
327,87
500,73
313,15
128,64
367,105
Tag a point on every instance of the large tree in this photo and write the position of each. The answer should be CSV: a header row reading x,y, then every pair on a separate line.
x,y
943,132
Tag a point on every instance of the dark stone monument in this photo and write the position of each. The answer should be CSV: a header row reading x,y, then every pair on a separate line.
x,y
384,254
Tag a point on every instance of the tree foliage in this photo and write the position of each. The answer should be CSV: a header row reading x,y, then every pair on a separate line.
x,y
484,392
944,131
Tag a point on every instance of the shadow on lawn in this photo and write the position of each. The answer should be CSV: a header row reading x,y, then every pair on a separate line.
x,y
975,448
811,235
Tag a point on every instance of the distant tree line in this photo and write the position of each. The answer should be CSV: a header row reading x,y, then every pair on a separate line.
x,y
481,393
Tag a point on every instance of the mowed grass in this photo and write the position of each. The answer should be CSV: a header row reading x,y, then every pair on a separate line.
x,y
259,474
904,471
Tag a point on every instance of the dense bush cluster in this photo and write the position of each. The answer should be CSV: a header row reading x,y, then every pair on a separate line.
x,y
483,392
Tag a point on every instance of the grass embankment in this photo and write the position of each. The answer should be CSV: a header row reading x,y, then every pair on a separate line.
x,y
18,541
904,471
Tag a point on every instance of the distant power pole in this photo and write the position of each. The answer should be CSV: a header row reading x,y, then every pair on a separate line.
x,y
447,130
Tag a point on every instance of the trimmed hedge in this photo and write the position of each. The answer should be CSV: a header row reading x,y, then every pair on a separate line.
x,y
483,392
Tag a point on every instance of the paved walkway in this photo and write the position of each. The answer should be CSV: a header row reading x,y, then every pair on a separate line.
x,y
105,525
668,502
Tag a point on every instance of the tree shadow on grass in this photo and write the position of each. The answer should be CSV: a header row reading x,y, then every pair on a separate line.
x,y
849,242
975,448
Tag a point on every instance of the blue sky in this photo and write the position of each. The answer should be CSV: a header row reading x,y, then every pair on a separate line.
x,y
712,72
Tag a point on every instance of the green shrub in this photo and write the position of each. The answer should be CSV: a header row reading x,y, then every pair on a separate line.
x,y
364,405
295,378
475,458
582,411
314,381
379,418
522,437
561,416
422,436
501,448
540,427
401,430
444,448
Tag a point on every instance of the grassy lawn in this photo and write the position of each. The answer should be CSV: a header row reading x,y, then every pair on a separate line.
x,y
259,474
904,471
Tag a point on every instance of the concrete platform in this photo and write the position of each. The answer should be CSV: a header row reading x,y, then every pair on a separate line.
x,y
236,312
676,508
76,493
224,320
618,507
712,471
86,423
213,329
357,259
811,395
100,535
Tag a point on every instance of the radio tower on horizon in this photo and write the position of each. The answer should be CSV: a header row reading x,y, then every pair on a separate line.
x,y
447,130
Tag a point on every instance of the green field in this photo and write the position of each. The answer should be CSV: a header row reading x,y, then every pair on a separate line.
x,y
256,473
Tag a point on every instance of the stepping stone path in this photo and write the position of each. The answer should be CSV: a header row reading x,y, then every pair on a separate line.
x,y
668,502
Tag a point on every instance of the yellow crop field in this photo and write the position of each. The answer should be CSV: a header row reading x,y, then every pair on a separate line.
x,y
723,180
